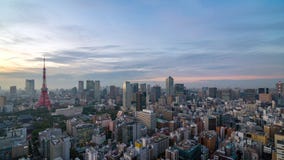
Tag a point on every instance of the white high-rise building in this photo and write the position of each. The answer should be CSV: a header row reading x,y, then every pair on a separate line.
x,y
127,95
148,117
30,86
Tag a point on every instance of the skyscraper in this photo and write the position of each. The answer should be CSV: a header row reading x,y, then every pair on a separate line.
x,y
170,86
179,89
81,86
143,87
155,93
2,103
213,92
263,90
97,91
140,101
249,95
127,90
44,99
226,94
134,87
112,92
13,90
90,85
30,86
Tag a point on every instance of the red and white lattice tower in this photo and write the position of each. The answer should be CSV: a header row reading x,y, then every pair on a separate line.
x,y
44,99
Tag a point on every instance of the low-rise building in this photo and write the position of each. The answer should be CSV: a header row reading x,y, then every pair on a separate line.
x,y
54,144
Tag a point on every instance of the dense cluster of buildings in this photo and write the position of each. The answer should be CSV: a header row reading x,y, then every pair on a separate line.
x,y
174,123
14,143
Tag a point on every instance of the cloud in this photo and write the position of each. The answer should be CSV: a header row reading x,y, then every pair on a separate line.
x,y
15,39
255,27
113,42
21,74
74,55
95,48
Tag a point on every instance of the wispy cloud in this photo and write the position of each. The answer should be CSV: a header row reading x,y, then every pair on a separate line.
x,y
141,40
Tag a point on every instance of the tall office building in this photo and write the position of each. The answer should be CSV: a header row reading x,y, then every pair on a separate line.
x,y
112,92
135,89
226,94
143,87
90,90
97,91
263,90
264,95
80,86
140,101
30,86
148,94
13,90
155,93
130,132
249,95
90,85
2,103
179,89
127,90
170,86
213,92
148,90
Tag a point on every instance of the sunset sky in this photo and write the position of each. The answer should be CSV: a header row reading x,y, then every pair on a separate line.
x,y
198,42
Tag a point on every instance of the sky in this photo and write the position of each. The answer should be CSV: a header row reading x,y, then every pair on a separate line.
x,y
236,43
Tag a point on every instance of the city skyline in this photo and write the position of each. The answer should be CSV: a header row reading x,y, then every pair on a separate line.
x,y
199,43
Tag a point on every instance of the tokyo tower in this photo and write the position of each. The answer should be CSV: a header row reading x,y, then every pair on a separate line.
x,y
44,99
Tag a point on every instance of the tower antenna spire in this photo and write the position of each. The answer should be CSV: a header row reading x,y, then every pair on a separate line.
x,y
44,98
43,61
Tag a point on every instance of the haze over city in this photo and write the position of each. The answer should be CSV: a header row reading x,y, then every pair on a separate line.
x,y
199,43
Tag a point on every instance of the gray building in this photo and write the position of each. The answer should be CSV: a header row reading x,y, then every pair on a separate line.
x,y
54,144
80,86
97,91
213,92
30,86
170,86
127,95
